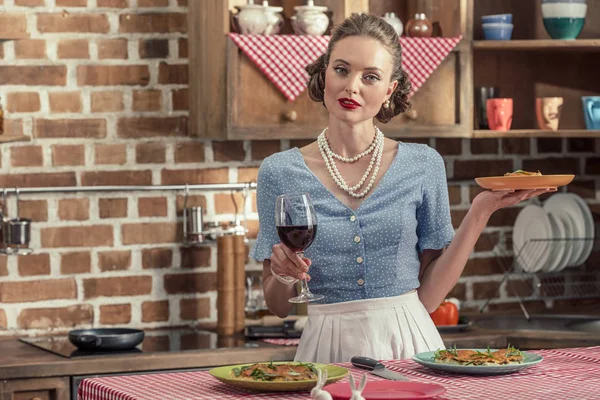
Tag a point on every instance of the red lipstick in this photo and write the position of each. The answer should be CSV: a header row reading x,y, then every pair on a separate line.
x,y
348,104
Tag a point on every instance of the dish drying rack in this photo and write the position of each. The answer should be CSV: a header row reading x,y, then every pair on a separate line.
x,y
570,282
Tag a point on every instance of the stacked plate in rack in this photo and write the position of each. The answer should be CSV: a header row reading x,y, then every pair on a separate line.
x,y
556,235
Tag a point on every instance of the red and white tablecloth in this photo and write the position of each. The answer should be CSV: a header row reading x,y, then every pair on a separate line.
x,y
282,58
564,374
282,341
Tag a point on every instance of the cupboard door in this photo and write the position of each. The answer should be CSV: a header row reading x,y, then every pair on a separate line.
x,y
35,389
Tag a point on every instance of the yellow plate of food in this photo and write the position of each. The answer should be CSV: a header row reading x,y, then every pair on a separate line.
x,y
478,361
276,376
522,180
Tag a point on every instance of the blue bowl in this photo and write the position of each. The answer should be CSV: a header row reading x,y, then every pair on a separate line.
x,y
497,31
497,18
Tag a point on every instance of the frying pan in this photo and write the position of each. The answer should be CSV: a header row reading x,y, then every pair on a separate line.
x,y
106,338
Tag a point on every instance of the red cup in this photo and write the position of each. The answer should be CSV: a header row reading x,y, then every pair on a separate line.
x,y
499,114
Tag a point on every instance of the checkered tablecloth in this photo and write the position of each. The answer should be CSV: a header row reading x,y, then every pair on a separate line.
x,y
282,342
282,58
564,374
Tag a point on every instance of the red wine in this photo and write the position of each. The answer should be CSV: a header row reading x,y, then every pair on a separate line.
x,y
297,237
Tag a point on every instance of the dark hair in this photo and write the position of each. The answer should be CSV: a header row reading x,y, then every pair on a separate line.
x,y
373,27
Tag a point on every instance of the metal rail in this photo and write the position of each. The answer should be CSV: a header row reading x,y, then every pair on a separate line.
x,y
76,189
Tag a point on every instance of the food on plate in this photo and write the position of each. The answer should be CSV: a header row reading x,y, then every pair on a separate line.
x,y
510,355
520,172
285,372
445,314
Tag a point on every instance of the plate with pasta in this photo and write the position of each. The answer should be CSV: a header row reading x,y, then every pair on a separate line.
x,y
478,361
276,376
523,180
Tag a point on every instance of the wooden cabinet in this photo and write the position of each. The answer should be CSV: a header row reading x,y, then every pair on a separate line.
x,y
35,389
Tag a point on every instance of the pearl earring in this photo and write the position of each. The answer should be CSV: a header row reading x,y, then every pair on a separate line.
x,y
386,104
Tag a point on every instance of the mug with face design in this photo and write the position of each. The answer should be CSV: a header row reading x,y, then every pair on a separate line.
x,y
591,111
547,112
499,113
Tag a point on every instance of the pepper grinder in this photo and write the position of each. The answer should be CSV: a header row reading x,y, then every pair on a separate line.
x,y
419,26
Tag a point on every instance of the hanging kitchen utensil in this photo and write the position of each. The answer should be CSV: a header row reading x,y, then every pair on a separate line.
x,y
192,223
16,232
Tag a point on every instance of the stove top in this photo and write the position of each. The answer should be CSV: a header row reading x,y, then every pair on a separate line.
x,y
155,341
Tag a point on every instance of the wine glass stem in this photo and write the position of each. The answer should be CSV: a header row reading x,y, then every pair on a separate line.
x,y
303,282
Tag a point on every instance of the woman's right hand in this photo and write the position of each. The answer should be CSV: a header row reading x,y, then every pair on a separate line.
x,y
287,263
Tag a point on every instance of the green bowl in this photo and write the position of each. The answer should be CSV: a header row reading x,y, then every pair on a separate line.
x,y
564,28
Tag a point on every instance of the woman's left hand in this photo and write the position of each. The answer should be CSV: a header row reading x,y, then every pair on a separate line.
x,y
487,202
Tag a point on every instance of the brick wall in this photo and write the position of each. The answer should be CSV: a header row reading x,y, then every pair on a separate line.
x,y
101,90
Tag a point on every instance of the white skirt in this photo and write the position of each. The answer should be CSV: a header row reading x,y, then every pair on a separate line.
x,y
388,328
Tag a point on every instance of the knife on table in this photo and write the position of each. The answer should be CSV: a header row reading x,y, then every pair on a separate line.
x,y
377,368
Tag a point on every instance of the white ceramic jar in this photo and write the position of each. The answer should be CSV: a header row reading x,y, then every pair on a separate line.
x,y
392,19
310,19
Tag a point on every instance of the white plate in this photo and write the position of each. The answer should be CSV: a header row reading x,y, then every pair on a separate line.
x,y
564,204
557,252
588,244
532,223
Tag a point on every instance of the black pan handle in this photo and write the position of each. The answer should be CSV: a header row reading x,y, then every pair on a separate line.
x,y
366,363
85,339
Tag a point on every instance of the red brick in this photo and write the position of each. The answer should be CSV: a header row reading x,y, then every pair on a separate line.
x,y
107,101
194,176
66,154
74,209
112,208
189,152
47,289
23,102
581,145
153,23
62,317
69,128
173,73
459,291
516,146
73,48
71,3
112,48
34,264
549,145
151,233
113,3
454,194
77,236
470,169
118,286
65,102
150,153
38,179
190,283
114,314
153,3
232,150
154,48
485,266
3,319
224,204
110,154
155,311
195,257
485,290
180,100
13,127
3,265
182,3
30,3
487,241
183,48
116,178
584,188
13,24
72,22
448,146
261,149
112,75
553,165
147,100
33,75
247,174
26,156
194,309
78,262
192,201
592,166
114,260
152,207
30,49
139,127
157,258
35,210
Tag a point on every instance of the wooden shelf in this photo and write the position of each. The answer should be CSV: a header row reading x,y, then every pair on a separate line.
x,y
14,138
537,133
538,45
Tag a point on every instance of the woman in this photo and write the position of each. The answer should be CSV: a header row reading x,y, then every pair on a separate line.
x,y
382,207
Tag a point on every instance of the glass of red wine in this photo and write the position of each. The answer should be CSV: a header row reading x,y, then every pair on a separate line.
x,y
296,223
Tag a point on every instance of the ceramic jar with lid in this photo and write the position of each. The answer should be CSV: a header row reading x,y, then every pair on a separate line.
x,y
419,26
392,19
310,19
254,19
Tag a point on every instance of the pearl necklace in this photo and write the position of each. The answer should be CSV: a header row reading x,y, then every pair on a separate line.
x,y
358,156
329,158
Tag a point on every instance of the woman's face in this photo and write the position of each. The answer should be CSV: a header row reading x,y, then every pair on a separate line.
x,y
357,80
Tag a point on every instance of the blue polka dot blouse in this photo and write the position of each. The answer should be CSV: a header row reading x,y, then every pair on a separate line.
x,y
372,251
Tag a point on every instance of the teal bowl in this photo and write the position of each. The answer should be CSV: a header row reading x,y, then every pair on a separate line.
x,y
564,28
